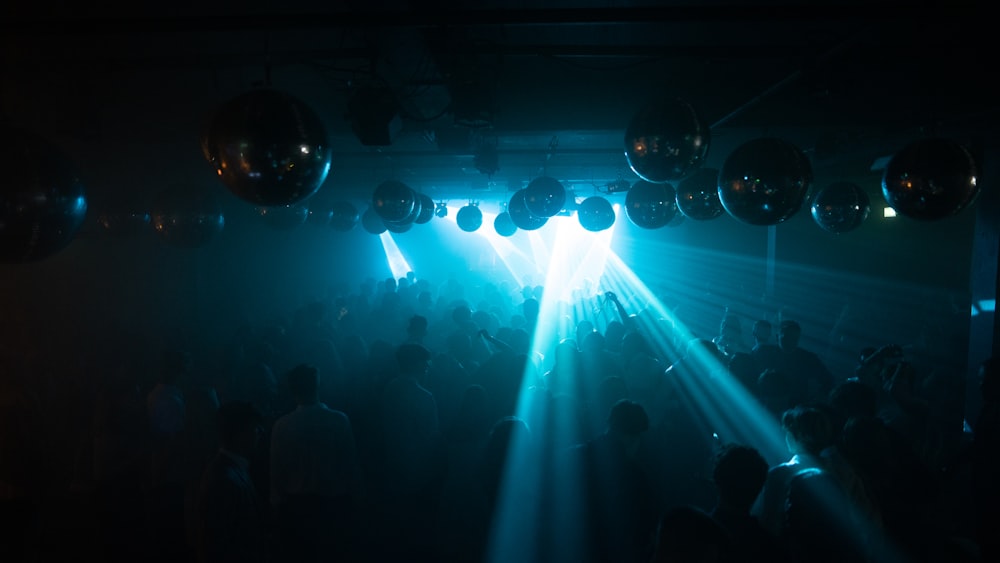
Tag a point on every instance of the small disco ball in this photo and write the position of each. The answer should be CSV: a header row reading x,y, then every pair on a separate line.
x,y
840,207
596,214
469,218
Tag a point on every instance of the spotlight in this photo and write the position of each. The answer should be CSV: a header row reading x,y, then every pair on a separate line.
x,y
441,210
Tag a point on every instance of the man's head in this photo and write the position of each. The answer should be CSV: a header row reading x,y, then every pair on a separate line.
x,y
788,335
762,331
303,384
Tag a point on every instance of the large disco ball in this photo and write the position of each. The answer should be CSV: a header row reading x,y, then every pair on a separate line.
x,y
394,201
840,207
666,140
650,205
545,196
186,217
43,203
596,214
469,218
698,195
764,181
504,225
268,148
284,217
426,209
519,214
930,179
371,222
345,215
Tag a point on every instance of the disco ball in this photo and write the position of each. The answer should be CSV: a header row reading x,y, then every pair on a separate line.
x,y
840,207
665,141
268,147
519,214
596,214
426,209
371,222
698,195
931,179
649,205
469,218
43,203
545,196
344,215
186,217
394,201
504,225
765,181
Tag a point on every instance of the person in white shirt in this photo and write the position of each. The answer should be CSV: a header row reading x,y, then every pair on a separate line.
x,y
316,483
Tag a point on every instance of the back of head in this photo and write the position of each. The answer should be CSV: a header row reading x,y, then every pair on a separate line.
x,y
810,427
739,475
854,398
412,358
762,331
628,418
303,383
789,333
234,418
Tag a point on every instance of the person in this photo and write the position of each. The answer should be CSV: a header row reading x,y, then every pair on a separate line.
x,y
986,460
808,376
739,475
808,431
231,520
730,338
618,508
316,486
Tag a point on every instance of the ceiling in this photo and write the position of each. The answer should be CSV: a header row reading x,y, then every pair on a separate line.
x,y
129,91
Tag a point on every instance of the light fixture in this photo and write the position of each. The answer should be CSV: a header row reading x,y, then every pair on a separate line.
x,y
441,210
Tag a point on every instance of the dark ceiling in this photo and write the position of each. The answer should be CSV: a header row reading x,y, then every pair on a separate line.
x,y
128,91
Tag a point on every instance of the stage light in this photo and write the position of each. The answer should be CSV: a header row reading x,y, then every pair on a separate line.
x,y
441,211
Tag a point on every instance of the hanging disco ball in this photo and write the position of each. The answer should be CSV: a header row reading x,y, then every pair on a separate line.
x,y
840,207
344,216
469,218
519,214
698,195
545,196
426,209
394,201
665,141
930,179
284,217
504,225
765,181
186,217
596,214
371,222
649,205
268,147
43,203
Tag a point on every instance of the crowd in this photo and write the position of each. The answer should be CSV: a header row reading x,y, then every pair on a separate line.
x,y
399,420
